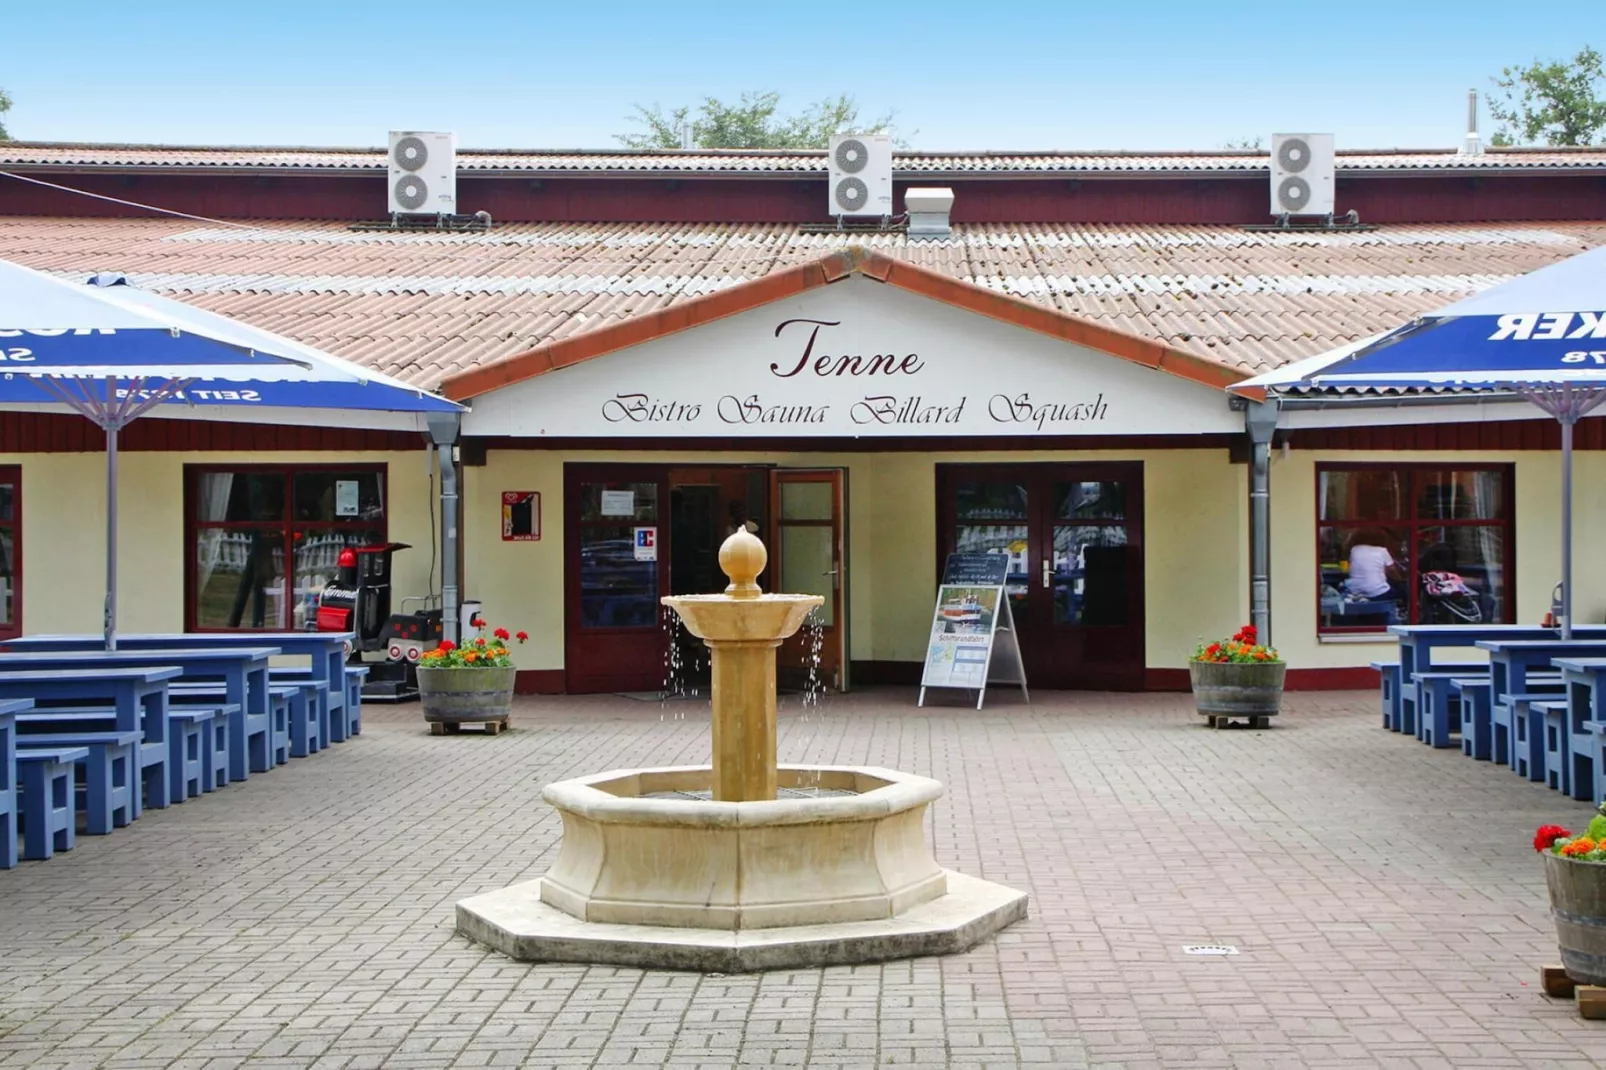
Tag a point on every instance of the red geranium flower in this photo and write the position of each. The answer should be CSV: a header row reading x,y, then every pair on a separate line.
x,y
480,641
502,634
522,636
1547,835
476,622
448,645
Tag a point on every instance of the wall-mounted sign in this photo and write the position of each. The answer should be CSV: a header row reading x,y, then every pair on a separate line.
x,y
854,359
521,516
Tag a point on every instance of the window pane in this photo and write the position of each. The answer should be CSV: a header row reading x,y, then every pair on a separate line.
x,y
1002,539
317,557
1090,500
1471,495
806,560
616,590
1461,572
1363,494
990,501
1363,574
1090,574
239,579
619,502
809,500
239,496
355,497
8,578
8,502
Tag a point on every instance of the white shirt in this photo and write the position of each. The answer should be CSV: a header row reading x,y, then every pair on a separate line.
x,y
1368,570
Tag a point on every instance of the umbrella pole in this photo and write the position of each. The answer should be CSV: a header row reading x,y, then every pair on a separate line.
x,y
111,538
1567,527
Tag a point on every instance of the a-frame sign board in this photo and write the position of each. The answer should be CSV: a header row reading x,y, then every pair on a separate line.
x,y
973,639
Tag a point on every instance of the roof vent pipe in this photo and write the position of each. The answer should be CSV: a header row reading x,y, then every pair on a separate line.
x,y
1472,146
928,209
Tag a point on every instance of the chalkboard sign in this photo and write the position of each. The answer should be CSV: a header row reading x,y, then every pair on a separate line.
x,y
982,570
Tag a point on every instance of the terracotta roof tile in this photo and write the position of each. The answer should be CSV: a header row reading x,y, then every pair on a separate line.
x,y
425,306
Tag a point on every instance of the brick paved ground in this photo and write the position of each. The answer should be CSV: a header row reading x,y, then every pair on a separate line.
x,y
1384,896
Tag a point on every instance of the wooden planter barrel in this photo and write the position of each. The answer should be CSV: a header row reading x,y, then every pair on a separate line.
x,y
455,697
1578,905
1223,690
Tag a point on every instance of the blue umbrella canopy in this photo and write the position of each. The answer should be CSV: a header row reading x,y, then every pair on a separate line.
x,y
113,353
1541,336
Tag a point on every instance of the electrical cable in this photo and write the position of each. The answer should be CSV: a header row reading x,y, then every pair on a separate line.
x,y
129,204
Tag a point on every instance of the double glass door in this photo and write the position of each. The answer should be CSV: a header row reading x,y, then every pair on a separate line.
x,y
1074,537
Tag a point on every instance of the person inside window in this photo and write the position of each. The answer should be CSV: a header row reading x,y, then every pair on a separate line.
x,y
1374,575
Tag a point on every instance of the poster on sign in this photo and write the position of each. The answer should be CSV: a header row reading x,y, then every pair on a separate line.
x,y
973,640
646,544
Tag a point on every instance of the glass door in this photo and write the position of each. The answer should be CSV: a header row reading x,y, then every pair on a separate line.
x,y
614,578
1073,534
807,556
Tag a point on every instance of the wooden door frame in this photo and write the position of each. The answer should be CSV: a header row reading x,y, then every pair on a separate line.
x,y
838,478
13,474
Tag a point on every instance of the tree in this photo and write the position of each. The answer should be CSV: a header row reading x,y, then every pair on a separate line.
x,y
1558,103
5,106
751,123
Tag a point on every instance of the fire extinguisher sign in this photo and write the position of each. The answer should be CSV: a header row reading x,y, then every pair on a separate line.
x,y
646,544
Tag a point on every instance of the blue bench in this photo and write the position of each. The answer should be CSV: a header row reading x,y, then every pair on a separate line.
x,y
9,708
215,754
1586,722
1558,745
111,774
1389,688
1523,726
1433,718
191,734
49,818
1476,699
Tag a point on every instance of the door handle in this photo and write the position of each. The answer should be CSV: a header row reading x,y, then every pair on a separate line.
x,y
1048,574
833,574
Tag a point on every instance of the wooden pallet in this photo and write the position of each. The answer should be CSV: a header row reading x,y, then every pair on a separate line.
x,y
452,728
1591,998
1242,720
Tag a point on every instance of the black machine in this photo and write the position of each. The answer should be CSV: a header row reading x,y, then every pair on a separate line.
x,y
359,601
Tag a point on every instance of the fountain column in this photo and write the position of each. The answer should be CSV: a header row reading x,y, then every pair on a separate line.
x,y
743,687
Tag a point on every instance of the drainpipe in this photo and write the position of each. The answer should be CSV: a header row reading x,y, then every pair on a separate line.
x,y
1260,420
443,432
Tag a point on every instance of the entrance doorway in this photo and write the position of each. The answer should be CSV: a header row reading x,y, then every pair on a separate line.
x,y
618,635
1074,535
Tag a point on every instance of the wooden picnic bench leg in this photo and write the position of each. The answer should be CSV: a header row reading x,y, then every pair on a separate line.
x,y
47,806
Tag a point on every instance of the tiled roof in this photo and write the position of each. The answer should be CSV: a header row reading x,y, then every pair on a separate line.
x,y
47,155
423,306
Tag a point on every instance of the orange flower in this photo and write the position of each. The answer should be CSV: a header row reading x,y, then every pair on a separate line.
x,y
471,657
1581,846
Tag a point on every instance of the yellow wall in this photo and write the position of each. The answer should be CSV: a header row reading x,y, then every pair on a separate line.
x,y
1196,531
1537,535
64,526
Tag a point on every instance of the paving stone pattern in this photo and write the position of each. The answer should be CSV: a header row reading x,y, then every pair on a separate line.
x,y
1384,896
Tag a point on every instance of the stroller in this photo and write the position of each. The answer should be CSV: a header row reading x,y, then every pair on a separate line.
x,y
1446,599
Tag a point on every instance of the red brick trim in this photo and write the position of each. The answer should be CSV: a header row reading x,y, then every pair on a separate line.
x,y
538,682
789,282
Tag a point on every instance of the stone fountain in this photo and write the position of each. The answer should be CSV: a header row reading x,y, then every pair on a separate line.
x,y
742,865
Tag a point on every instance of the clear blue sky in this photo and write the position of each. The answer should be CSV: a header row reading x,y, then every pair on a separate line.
x,y
1075,74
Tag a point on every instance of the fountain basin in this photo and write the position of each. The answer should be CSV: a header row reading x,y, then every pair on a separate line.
x,y
703,864
767,618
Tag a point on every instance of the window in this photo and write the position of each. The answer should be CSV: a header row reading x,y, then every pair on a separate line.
x,y
10,551
1413,544
263,541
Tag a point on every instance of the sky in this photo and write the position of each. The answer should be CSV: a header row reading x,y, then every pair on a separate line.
x,y
1159,74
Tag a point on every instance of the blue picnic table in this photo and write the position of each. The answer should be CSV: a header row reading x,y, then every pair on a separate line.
x,y
138,697
9,708
325,651
242,670
1583,679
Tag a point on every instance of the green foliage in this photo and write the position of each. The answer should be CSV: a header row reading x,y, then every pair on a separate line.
x,y
751,123
1597,828
1554,103
5,106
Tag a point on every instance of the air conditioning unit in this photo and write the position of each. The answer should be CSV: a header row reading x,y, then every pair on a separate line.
x,y
423,173
1301,174
860,167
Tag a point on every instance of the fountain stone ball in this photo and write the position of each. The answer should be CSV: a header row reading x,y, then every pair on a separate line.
x,y
650,873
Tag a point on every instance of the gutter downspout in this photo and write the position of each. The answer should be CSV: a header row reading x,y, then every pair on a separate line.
x,y
444,429
1260,420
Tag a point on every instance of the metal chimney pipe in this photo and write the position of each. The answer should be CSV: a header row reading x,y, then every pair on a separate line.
x,y
1472,145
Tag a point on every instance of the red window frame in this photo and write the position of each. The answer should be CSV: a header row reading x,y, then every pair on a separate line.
x,y
1414,525
12,474
288,526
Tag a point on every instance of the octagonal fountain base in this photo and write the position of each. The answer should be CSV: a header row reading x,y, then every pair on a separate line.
x,y
649,874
